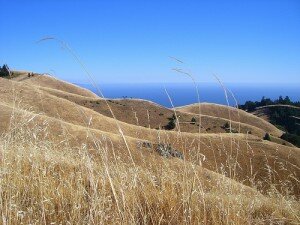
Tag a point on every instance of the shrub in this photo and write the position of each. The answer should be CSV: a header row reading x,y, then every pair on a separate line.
x,y
267,137
193,120
172,123
292,138
226,125
4,71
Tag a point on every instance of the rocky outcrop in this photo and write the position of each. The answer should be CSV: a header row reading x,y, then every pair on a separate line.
x,y
165,150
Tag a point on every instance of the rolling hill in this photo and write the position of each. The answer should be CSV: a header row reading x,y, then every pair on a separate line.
x,y
76,128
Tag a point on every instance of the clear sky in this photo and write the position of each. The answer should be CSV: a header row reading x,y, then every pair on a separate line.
x,y
131,41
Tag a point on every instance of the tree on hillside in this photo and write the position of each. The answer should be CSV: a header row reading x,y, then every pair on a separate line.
x,y
172,123
287,100
226,125
193,120
267,137
280,100
4,71
266,101
249,106
292,138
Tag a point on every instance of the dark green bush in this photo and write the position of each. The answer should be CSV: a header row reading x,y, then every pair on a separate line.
x,y
193,120
267,137
172,123
226,125
4,71
292,138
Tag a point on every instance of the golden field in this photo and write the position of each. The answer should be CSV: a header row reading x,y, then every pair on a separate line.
x,y
71,157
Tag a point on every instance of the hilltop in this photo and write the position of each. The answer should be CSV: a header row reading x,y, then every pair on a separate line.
x,y
119,161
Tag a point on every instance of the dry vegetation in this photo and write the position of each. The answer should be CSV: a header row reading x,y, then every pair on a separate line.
x,y
234,114
63,162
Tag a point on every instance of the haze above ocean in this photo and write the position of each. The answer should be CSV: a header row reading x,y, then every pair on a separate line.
x,y
184,94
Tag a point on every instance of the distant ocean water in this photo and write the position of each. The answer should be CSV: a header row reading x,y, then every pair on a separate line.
x,y
183,94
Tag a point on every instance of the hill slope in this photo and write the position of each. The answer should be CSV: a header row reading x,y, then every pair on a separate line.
x,y
233,114
72,124
148,114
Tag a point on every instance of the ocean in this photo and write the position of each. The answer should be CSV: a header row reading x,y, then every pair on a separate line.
x,y
183,94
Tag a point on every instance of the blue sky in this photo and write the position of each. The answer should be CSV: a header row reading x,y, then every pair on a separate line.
x,y
131,41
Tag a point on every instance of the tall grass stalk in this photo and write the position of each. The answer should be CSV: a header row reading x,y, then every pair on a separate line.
x,y
90,77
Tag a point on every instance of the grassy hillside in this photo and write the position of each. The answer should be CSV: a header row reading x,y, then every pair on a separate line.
x,y
45,183
65,157
151,115
283,113
232,114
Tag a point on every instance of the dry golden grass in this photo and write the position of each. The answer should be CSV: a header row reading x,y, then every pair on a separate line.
x,y
64,163
234,114
48,81
42,183
151,115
